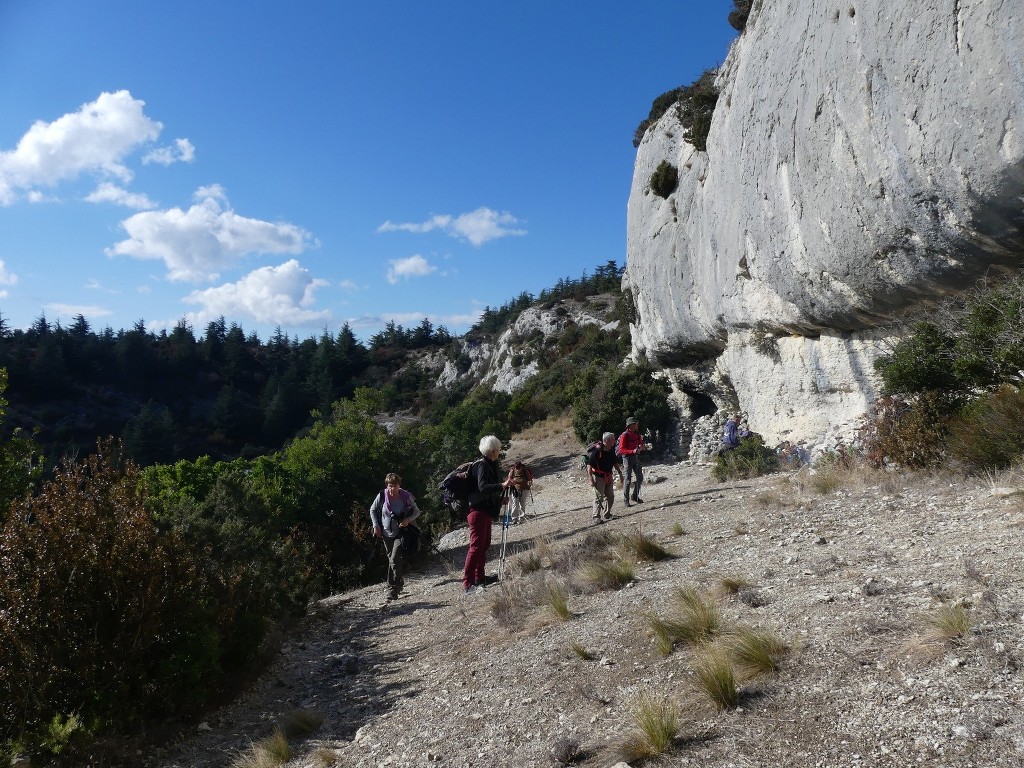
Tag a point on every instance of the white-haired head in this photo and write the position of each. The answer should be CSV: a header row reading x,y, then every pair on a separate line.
x,y
488,444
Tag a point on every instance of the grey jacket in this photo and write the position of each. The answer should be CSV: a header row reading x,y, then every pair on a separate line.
x,y
388,513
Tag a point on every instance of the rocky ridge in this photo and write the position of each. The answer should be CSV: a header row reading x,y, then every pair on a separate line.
x,y
847,577
855,168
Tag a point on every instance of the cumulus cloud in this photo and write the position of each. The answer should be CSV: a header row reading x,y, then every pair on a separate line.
x,y
182,151
6,276
280,295
111,193
411,319
197,243
95,139
478,227
414,266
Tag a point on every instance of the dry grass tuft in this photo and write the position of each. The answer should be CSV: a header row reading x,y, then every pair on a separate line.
x,y
948,624
299,723
606,574
270,752
582,652
529,562
755,652
677,530
731,585
643,548
655,729
566,750
556,597
325,758
691,619
715,677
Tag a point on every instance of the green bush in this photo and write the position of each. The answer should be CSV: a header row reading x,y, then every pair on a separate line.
x,y
986,435
694,104
105,620
751,458
665,179
738,16
911,433
604,400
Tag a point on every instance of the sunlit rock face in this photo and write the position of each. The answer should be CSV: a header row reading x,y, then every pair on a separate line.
x,y
865,158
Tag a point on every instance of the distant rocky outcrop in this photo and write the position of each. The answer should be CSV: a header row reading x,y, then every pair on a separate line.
x,y
508,363
864,159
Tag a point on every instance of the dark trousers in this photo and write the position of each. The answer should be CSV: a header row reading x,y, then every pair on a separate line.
x,y
479,540
632,468
396,562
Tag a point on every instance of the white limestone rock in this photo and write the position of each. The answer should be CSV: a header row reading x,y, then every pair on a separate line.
x,y
864,158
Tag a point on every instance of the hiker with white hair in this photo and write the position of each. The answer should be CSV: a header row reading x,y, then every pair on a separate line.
x,y
485,501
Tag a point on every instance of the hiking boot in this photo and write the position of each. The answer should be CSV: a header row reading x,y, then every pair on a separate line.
x,y
608,515
637,500
492,579
476,589
392,594
628,504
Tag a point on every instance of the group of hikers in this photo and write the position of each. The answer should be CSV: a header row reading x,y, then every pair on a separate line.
x,y
394,509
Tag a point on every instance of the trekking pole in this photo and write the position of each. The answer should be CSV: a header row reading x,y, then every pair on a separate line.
x,y
506,521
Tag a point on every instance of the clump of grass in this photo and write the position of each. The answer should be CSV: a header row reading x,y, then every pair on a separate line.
x,y
607,574
715,677
755,652
530,562
692,619
644,548
582,652
557,599
300,722
948,624
566,750
513,601
325,758
265,753
677,530
655,728
731,585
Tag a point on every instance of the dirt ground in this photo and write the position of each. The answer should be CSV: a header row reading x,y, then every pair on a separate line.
x,y
848,570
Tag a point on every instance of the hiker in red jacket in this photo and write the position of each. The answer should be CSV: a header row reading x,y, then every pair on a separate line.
x,y
630,444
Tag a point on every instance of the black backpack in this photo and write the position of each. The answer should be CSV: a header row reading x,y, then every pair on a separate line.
x,y
456,487
585,456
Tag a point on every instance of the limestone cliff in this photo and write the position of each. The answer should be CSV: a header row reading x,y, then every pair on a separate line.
x,y
865,157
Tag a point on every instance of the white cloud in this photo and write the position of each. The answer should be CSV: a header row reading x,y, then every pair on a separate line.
x,y
111,193
478,227
414,266
6,276
276,295
197,243
181,152
412,319
348,285
68,311
96,138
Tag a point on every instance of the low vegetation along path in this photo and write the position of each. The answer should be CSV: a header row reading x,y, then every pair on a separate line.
x,y
899,600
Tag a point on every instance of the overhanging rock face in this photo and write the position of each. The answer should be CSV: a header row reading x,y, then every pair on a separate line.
x,y
865,157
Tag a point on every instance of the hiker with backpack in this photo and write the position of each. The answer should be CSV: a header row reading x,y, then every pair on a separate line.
x,y
629,447
391,514
486,497
520,479
601,460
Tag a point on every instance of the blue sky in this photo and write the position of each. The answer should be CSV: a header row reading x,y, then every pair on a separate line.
x,y
308,164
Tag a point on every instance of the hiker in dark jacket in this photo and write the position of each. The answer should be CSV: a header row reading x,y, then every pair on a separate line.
x,y
391,513
601,460
484,508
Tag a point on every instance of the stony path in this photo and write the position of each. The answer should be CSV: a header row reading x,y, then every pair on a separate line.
x,y
846,578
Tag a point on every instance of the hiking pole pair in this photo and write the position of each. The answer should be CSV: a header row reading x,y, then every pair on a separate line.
x,y
506,521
